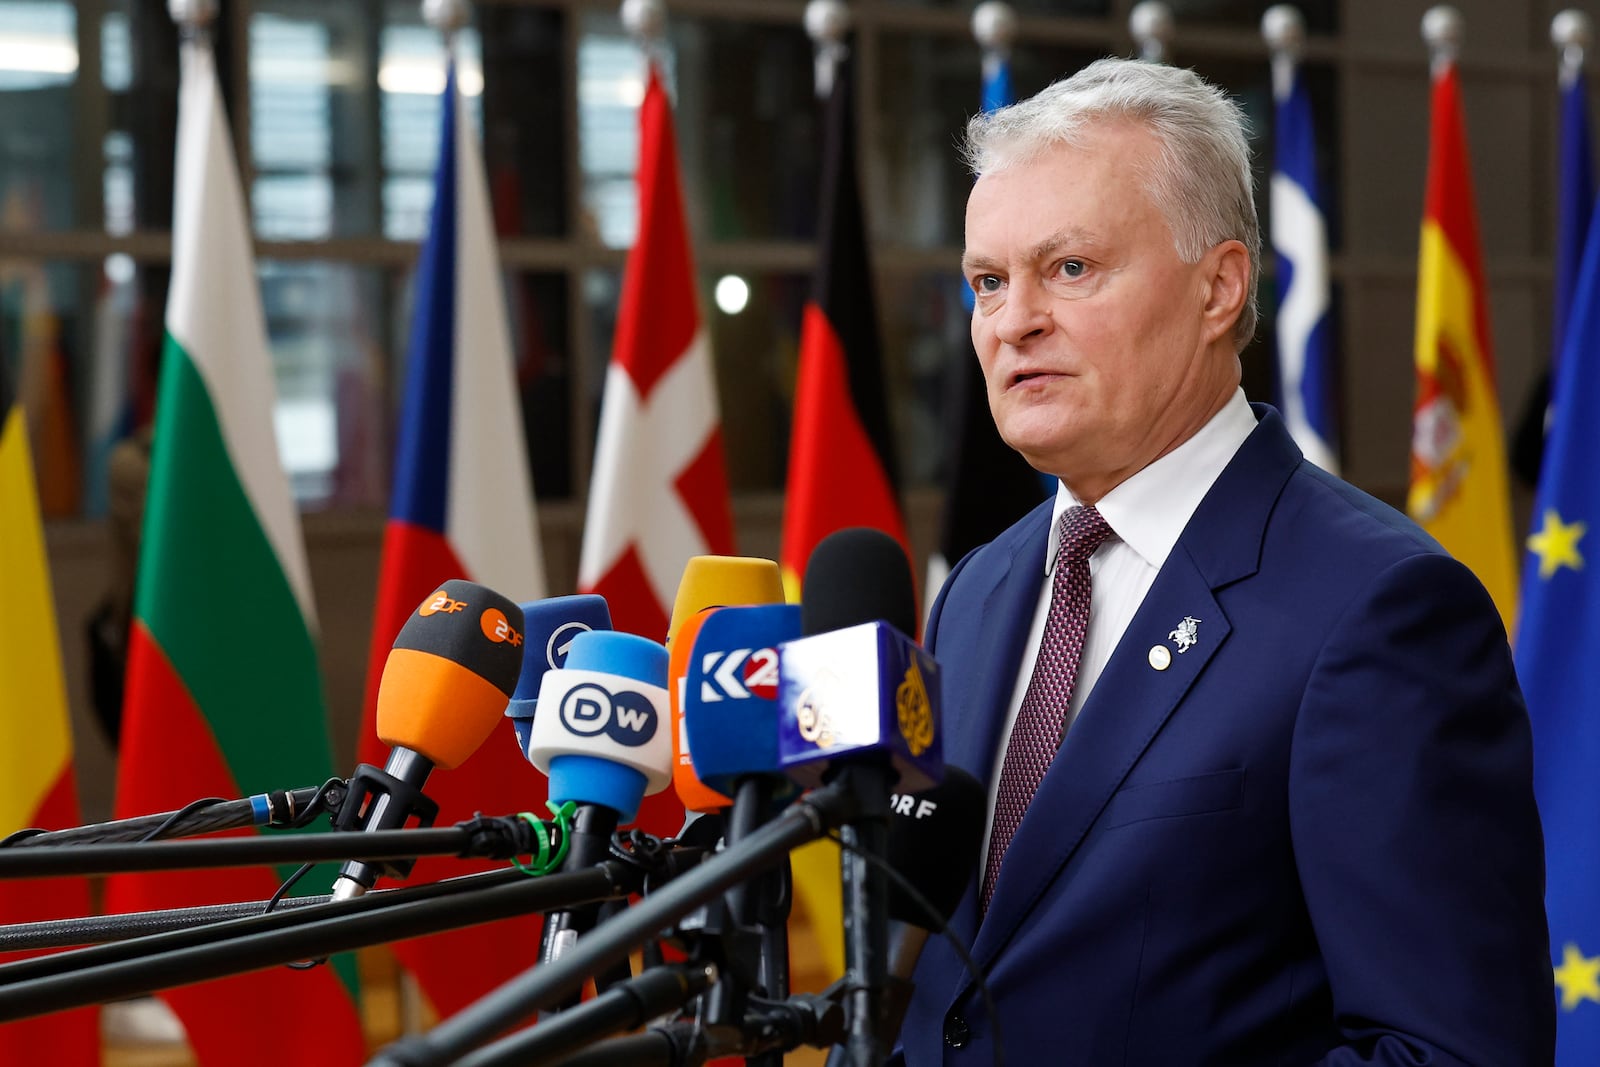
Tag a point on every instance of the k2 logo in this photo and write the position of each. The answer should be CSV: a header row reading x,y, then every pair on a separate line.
x,y
739,673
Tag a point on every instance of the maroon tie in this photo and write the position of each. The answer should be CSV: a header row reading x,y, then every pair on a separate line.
x,y
1036,735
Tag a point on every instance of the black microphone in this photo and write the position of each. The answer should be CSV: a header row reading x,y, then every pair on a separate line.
x,y
858,708
934,840
445,686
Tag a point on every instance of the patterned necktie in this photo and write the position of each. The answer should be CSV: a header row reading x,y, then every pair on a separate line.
x,y
1037,732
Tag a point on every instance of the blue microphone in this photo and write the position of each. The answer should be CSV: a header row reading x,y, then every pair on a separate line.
x,y
730,694
549,626
603,735
602,732
864,689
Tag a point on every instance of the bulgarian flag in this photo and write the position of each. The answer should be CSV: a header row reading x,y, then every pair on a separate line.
x,y
1459,491
224,695
36,783
659,494
461,506
841,466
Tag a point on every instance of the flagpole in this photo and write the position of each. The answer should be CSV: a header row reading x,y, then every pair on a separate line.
x,y
828,24
1572,32
994,27
1283,28
447,17
194,18
1442,30
646,23
1153,27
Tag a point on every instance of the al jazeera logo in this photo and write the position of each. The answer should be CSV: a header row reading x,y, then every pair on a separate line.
x,y
914,710
811,715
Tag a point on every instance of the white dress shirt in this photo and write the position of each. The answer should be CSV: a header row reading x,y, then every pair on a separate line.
x,y
1147,512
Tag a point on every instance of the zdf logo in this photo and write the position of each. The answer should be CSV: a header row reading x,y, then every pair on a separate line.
x,y
497,628
627,718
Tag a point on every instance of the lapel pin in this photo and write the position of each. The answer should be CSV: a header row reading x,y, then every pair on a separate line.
x,y
1160,658
1187,633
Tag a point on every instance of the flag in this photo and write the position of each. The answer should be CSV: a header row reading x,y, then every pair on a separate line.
x,y
1575,204
224,692
987,484
36,782
841,467
659,492
461,506
1561,604
1458,491
1306,381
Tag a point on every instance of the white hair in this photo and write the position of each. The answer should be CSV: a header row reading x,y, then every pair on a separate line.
x,y
1200,179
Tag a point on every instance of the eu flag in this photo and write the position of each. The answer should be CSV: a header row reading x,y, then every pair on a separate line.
x,y
1560,615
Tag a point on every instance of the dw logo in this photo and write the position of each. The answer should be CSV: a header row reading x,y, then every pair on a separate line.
x,y
627,718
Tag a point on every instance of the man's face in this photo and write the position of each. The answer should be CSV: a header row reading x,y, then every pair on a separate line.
x,y
1100,348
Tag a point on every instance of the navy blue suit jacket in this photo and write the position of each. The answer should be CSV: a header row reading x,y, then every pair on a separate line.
x,y
1311,839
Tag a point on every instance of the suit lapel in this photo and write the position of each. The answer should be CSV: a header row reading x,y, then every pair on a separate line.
x,y
1006,617
1130,703
1132,700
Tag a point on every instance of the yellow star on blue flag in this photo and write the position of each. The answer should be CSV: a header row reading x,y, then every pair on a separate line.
x,y
1560,613
1556,544
1578,978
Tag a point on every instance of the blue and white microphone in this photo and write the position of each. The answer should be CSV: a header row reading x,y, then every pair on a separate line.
x,y
550,626
602,734
858,706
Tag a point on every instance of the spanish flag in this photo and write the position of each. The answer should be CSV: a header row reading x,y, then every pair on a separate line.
x,y
36,782
1459,491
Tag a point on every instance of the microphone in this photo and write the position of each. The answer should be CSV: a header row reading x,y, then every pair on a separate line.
x,y
549,626
857,704
730,716
445,684
934,840
730,693
708,582
856,687
603,737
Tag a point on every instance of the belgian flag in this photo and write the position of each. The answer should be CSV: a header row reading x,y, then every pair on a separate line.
x,y
841,463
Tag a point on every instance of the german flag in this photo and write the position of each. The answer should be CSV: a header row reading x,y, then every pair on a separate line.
x,y
841,464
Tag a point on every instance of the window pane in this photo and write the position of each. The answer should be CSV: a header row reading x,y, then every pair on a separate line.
x,y
312,129
741,92
327,350
38,73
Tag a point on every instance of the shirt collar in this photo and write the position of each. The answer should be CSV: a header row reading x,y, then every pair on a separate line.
x,y
1149,510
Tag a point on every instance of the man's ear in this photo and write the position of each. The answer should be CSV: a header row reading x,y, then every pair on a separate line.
x,y
1228,288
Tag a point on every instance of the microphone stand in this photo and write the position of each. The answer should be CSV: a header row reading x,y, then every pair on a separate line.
x,y
265,942
154,931
540,987
866,908
286,808
622,1007
492,838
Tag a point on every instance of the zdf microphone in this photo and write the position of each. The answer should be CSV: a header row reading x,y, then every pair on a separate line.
x,y
445,685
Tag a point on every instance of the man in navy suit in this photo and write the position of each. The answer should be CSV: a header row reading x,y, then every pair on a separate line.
x,y
1259,768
